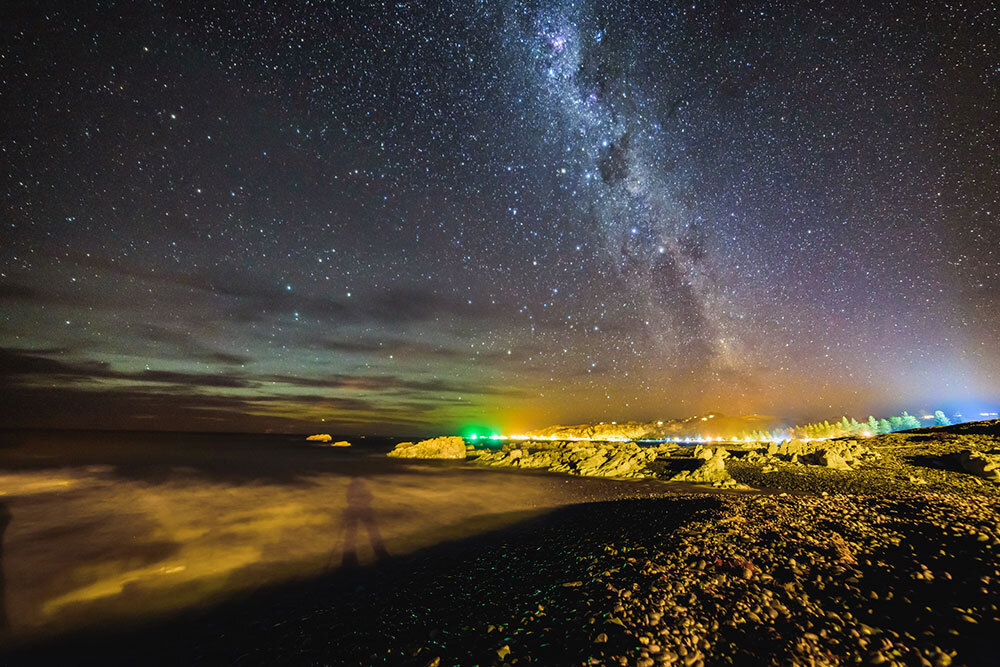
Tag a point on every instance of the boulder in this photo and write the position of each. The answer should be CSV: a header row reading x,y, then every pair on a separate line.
x,y
712,471
792,448
448,447
592,460
320,437
831,458
707,453
981,464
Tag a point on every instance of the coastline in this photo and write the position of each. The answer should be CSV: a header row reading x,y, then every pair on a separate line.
x,y
691,579
893,562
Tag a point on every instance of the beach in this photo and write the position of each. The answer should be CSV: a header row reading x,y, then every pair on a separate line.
x,y
573,570
112,528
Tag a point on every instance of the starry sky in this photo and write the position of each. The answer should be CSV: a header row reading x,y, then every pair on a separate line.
x,y
407,217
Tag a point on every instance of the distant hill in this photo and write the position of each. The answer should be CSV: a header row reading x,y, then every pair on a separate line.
x,y
986,427
713,425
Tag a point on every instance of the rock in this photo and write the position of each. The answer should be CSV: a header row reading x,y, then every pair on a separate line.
x,y
625,459
320,437
792,448
942,659
713,471
669,429
448,447
707,453
831,459
981,465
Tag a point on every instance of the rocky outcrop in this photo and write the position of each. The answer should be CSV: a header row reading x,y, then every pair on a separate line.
x,y
625,431
320,437
625,459
981,464
834,454
448,447
712,424
707,453
712,471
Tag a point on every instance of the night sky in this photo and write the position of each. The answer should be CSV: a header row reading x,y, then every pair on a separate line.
x,y
409,217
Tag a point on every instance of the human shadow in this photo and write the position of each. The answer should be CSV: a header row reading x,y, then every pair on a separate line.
x,y
358,514
5,517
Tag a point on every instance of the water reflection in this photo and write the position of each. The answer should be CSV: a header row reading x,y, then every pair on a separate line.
x,y
359,513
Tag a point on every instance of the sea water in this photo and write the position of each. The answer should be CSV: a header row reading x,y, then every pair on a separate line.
x,y
102,526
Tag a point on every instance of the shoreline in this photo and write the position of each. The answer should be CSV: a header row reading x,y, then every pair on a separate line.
x,y
809,571
689,579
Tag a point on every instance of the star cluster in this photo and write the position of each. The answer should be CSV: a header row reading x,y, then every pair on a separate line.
x,y
404,216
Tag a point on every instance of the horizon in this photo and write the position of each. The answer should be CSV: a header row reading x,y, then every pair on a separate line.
x,y
781,426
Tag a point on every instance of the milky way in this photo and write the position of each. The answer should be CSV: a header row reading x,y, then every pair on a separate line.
x,y
409,217
627,156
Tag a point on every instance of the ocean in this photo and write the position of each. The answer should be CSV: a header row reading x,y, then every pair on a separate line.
x,y
100,527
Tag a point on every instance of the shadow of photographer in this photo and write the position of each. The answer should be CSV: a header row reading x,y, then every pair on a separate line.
x,y
357,515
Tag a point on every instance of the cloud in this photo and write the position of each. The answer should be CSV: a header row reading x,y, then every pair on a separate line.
x,y
19,366
395,347
188,347
403,349
254,300
388,383
173,408
16,291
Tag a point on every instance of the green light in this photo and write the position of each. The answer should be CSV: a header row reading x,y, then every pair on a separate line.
x,y
476,432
